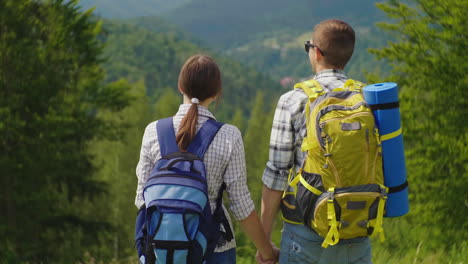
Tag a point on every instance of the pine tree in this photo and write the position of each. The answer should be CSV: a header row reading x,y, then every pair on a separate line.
x,y
429,64
51,92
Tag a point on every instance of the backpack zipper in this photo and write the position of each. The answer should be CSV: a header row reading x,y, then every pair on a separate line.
x,y
371,194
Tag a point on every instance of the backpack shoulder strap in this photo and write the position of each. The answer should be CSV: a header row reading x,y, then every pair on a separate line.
x,y
166,136
311,88
203,139
353,85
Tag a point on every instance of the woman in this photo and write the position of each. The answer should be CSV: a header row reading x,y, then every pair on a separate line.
x,y
200,84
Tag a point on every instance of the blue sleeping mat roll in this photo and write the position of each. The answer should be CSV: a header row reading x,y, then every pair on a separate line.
x,y
383,99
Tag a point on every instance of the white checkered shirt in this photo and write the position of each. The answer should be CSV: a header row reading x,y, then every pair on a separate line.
x,y
224,161
288,130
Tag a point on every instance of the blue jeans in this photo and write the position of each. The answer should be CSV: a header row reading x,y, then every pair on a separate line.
x,y
225,257
299,244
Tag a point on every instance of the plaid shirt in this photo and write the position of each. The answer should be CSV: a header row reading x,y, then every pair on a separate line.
x,y
224,161
289,130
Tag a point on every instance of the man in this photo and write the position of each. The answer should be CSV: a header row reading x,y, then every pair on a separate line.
x,y
329,51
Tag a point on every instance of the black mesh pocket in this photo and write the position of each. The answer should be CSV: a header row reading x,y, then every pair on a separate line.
x,y
305,199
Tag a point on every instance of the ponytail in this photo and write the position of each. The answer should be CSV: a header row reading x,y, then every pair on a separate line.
x,y
187,128
199,79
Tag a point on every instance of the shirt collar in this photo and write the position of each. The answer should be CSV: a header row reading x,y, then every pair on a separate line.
x,y
330,73
202,111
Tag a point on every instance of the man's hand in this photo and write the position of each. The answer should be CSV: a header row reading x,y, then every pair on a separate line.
x,y
260,260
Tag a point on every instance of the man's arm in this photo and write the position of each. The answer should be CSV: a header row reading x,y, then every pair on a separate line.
x,y
280,161
271,200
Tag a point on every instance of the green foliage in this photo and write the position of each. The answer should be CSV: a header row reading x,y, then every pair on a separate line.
x,y
238,120
50,91
256,138
429,64
116,160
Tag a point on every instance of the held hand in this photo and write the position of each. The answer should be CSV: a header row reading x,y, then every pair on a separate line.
x,y
260,260
276,253
266,260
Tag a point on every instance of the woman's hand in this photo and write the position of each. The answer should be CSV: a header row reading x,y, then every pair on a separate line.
x,y
268,257
252,227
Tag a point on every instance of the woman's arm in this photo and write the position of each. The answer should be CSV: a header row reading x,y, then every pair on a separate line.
x,y
146,162
241,203
252,227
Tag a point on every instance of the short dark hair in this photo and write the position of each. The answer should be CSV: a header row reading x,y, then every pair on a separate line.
x,y
336,39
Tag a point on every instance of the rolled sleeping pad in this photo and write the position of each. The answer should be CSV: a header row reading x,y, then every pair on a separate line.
x,y
383,100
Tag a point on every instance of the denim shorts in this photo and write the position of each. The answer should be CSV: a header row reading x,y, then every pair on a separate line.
x,y
299,244
225,257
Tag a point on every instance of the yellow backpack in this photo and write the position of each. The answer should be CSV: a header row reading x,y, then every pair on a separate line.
x,y
339,192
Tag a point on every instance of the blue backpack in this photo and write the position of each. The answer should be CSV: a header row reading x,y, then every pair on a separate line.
x,y
176,224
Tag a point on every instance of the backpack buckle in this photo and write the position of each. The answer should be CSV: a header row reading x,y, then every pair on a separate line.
x,y
330,195
384,192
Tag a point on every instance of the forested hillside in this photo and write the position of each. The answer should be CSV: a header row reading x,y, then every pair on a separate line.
x,y
138,54
282,56
268,35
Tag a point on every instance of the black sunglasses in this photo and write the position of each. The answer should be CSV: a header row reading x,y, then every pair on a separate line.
x,y
308,45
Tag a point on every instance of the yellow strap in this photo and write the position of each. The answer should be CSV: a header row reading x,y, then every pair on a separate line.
x,y
378,228
312,89
306,144
288,205
353,85
294,182
308,186
289,179
391,135
333,236
348,84
291,172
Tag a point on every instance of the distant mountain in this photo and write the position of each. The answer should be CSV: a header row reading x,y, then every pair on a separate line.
x,y
154,58
226,23
282,55
130,9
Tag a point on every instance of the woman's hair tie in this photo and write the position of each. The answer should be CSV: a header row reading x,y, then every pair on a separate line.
x,y
195,100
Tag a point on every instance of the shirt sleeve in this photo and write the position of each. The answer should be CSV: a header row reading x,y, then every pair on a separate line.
x,y
281,155
235,177
146,162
